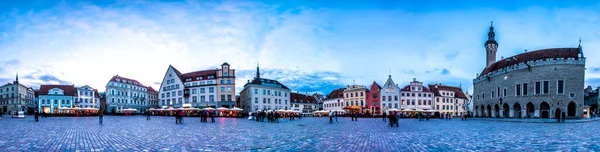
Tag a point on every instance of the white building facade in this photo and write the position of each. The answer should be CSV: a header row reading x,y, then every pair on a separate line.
x,y
125,93
416,96
87,97
334,100
449,100
390,96
208,88
264,94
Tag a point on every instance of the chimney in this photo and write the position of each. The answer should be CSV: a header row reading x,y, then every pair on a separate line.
x,y
414,79
502,58
525,50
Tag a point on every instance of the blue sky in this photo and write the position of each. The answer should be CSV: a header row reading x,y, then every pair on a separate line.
x,y
311,46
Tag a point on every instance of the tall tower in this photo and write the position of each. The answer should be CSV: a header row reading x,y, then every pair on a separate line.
x,y
491,46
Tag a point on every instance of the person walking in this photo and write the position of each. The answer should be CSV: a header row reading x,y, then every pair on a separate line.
x,y
335,115
212,116
384,116
330,116
356,116
36,113
100,117
392,120
148,115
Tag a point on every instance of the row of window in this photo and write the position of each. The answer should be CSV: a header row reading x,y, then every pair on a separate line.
x,y
540,87
344,104
55,101
127,86
192,84
446,107
268,101
11,88
416,102
444,100
126,101
389,98
268,92
120,93
416,95
355,94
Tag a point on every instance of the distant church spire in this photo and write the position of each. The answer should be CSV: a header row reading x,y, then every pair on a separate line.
x,y
257,71
580,49
17,79
390,75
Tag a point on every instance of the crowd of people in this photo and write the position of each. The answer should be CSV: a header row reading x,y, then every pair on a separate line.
x,y
273,116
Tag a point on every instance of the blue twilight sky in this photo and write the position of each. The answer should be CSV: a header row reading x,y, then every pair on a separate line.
x,y
311,46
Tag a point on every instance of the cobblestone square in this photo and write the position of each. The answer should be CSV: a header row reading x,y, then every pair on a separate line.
x,y
135,133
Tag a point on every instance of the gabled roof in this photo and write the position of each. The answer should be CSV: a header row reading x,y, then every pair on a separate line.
x,y
69,90
337,93
389,82
128,81
301,98
436,88
151,90
375,84
532,56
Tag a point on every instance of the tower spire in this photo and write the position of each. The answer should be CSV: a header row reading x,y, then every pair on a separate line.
x,y
491,46
390,75
17,79
580,49
257,71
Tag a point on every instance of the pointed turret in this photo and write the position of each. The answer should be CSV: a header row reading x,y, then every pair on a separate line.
x,y
17,78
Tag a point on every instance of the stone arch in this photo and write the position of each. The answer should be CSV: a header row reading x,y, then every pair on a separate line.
x,y
557,113
496,110
506,110
530,110
476,111
544,110
489,111
517,110
572,109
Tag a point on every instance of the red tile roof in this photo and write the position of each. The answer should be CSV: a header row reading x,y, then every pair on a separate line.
x,y
457,91
407,88
151,90
128,81
204,74
69,90
301,98
338,93
532,56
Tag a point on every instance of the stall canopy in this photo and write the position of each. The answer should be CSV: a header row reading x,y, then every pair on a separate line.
x,y
237,109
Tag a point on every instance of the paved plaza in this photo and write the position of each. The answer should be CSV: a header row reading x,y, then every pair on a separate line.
x,y
134,133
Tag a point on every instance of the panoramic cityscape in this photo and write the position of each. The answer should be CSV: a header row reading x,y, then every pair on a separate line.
x,y
299,75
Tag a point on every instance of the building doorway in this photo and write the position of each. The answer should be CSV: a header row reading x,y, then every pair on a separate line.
x,y
557,113
489,111
544,110
506,110
530,110
572,109
496,111
517,110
